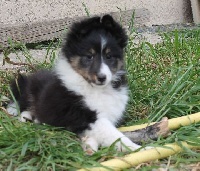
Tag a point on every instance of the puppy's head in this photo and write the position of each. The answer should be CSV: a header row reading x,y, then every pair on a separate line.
x,y
94,48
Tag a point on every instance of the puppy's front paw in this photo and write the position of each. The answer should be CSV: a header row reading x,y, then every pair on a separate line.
x,y
89,145
87,149
126,144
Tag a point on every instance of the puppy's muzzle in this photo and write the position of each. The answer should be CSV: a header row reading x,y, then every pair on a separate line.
x,y
101,78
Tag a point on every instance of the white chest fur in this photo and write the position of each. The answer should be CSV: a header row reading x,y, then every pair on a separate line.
x,y
107,102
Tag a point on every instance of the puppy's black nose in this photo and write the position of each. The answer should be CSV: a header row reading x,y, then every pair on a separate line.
x,y
101,78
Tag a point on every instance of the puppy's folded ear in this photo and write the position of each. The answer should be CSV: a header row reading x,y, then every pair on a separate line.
x,y
86,25
107,21
115,29
80,29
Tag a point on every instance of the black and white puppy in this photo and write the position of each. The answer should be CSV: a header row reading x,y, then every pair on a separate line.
x,y
86,92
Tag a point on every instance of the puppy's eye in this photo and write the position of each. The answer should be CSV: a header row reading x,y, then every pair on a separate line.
x,y
108,56
89,57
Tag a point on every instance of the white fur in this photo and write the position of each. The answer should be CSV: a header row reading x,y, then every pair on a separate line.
x,y
12,109
89,143
118,75
25,115
103,43
104,70
109,104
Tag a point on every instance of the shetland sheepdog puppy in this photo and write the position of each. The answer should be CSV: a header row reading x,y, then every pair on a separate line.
x,y
86,92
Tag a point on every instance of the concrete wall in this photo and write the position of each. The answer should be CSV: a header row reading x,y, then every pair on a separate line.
x,y
30,21
28,11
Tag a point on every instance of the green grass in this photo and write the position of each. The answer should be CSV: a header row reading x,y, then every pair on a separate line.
x,y
164,80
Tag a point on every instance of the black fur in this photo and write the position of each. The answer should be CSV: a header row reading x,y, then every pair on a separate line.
x,y
43,94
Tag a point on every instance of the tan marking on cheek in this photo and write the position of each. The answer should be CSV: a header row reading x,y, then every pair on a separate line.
x,y
82,71
84,74
74,62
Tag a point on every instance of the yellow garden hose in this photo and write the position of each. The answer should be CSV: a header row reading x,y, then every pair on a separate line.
x,y
174,123
140,157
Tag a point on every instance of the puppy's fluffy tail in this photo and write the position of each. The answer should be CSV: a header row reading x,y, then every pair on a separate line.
x,y
18,86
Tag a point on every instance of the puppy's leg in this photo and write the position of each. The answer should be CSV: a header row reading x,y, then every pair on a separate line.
x,y
105,134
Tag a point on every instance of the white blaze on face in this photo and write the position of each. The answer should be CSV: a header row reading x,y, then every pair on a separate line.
x,y
103,43
105,70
